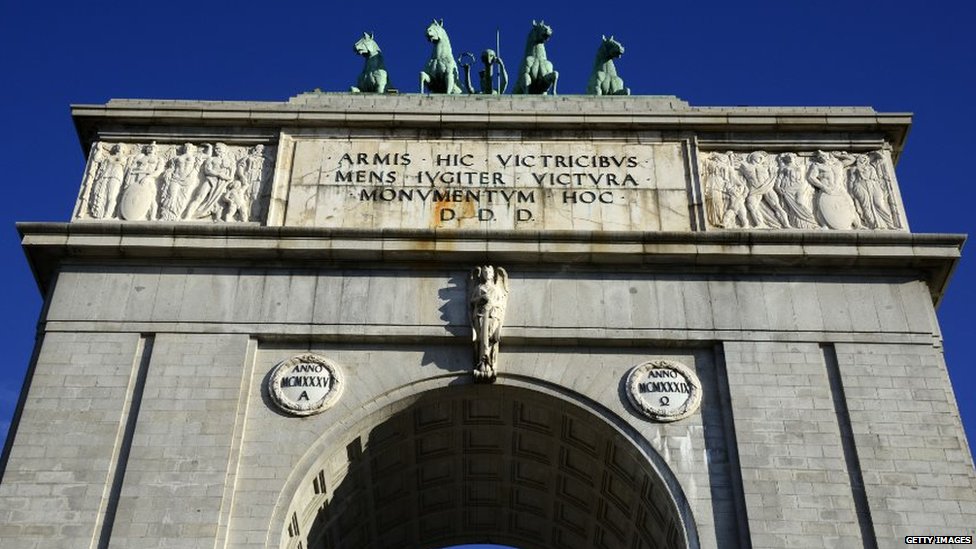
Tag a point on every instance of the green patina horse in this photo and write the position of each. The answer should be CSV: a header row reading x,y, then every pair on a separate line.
x,y
536,75
440,74
604,79
373,79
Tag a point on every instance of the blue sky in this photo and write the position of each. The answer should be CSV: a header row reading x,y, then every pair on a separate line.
x,y
894,56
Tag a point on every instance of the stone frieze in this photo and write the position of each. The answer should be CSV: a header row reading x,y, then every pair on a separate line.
x,y
817,190
171,182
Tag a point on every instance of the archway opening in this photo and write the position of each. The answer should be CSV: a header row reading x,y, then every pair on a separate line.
x,y
484,464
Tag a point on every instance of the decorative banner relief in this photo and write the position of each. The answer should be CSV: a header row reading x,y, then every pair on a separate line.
x,y
305,384
664,390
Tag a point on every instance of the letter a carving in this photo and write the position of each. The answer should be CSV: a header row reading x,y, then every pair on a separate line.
x,y
487,300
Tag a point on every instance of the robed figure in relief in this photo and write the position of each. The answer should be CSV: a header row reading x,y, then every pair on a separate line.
x,y
487,300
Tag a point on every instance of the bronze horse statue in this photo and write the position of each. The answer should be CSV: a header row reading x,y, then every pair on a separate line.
x,y
604,79
373,79
440,74
536,75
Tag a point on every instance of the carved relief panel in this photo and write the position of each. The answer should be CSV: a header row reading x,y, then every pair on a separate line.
x,y
169,182
815,190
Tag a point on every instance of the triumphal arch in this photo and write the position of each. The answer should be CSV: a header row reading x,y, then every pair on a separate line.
x,y
395,320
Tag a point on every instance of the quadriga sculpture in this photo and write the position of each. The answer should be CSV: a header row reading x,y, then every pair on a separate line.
x,y
604,79
373,79
536,75
440,74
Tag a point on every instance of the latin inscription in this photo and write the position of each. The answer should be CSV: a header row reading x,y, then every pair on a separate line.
x,y
485,184
665,387
447,172
304,384
664,390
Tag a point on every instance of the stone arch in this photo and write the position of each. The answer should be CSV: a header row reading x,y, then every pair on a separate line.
x,y
485,464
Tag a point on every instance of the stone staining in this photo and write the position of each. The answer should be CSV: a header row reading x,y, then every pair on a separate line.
x,y
149,182
664,390
823,190
305,385
487,300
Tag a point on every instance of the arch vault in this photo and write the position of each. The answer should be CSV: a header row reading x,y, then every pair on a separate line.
x,y
480,464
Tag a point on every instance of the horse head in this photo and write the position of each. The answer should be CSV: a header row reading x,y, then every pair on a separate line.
x,y
366,46
436,32
610,48
540,32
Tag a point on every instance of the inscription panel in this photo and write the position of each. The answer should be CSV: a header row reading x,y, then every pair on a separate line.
x,y
664,390
305,384
488,184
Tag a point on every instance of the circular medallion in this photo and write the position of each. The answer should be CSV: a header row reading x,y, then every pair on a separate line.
x,y
305,384
664,390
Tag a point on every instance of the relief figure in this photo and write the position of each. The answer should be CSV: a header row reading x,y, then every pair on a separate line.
x,y
180,179
735,193
834,205
250,171
716,170
109,170
794,192
869,194
760,177
487,301
139,190
235,203
218,172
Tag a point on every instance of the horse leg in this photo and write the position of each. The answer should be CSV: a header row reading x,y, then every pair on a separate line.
x,y
449,82
555,78
380,76
353,89
424,79
455,86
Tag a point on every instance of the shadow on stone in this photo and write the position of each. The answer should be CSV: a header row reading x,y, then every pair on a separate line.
x,y
485,464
